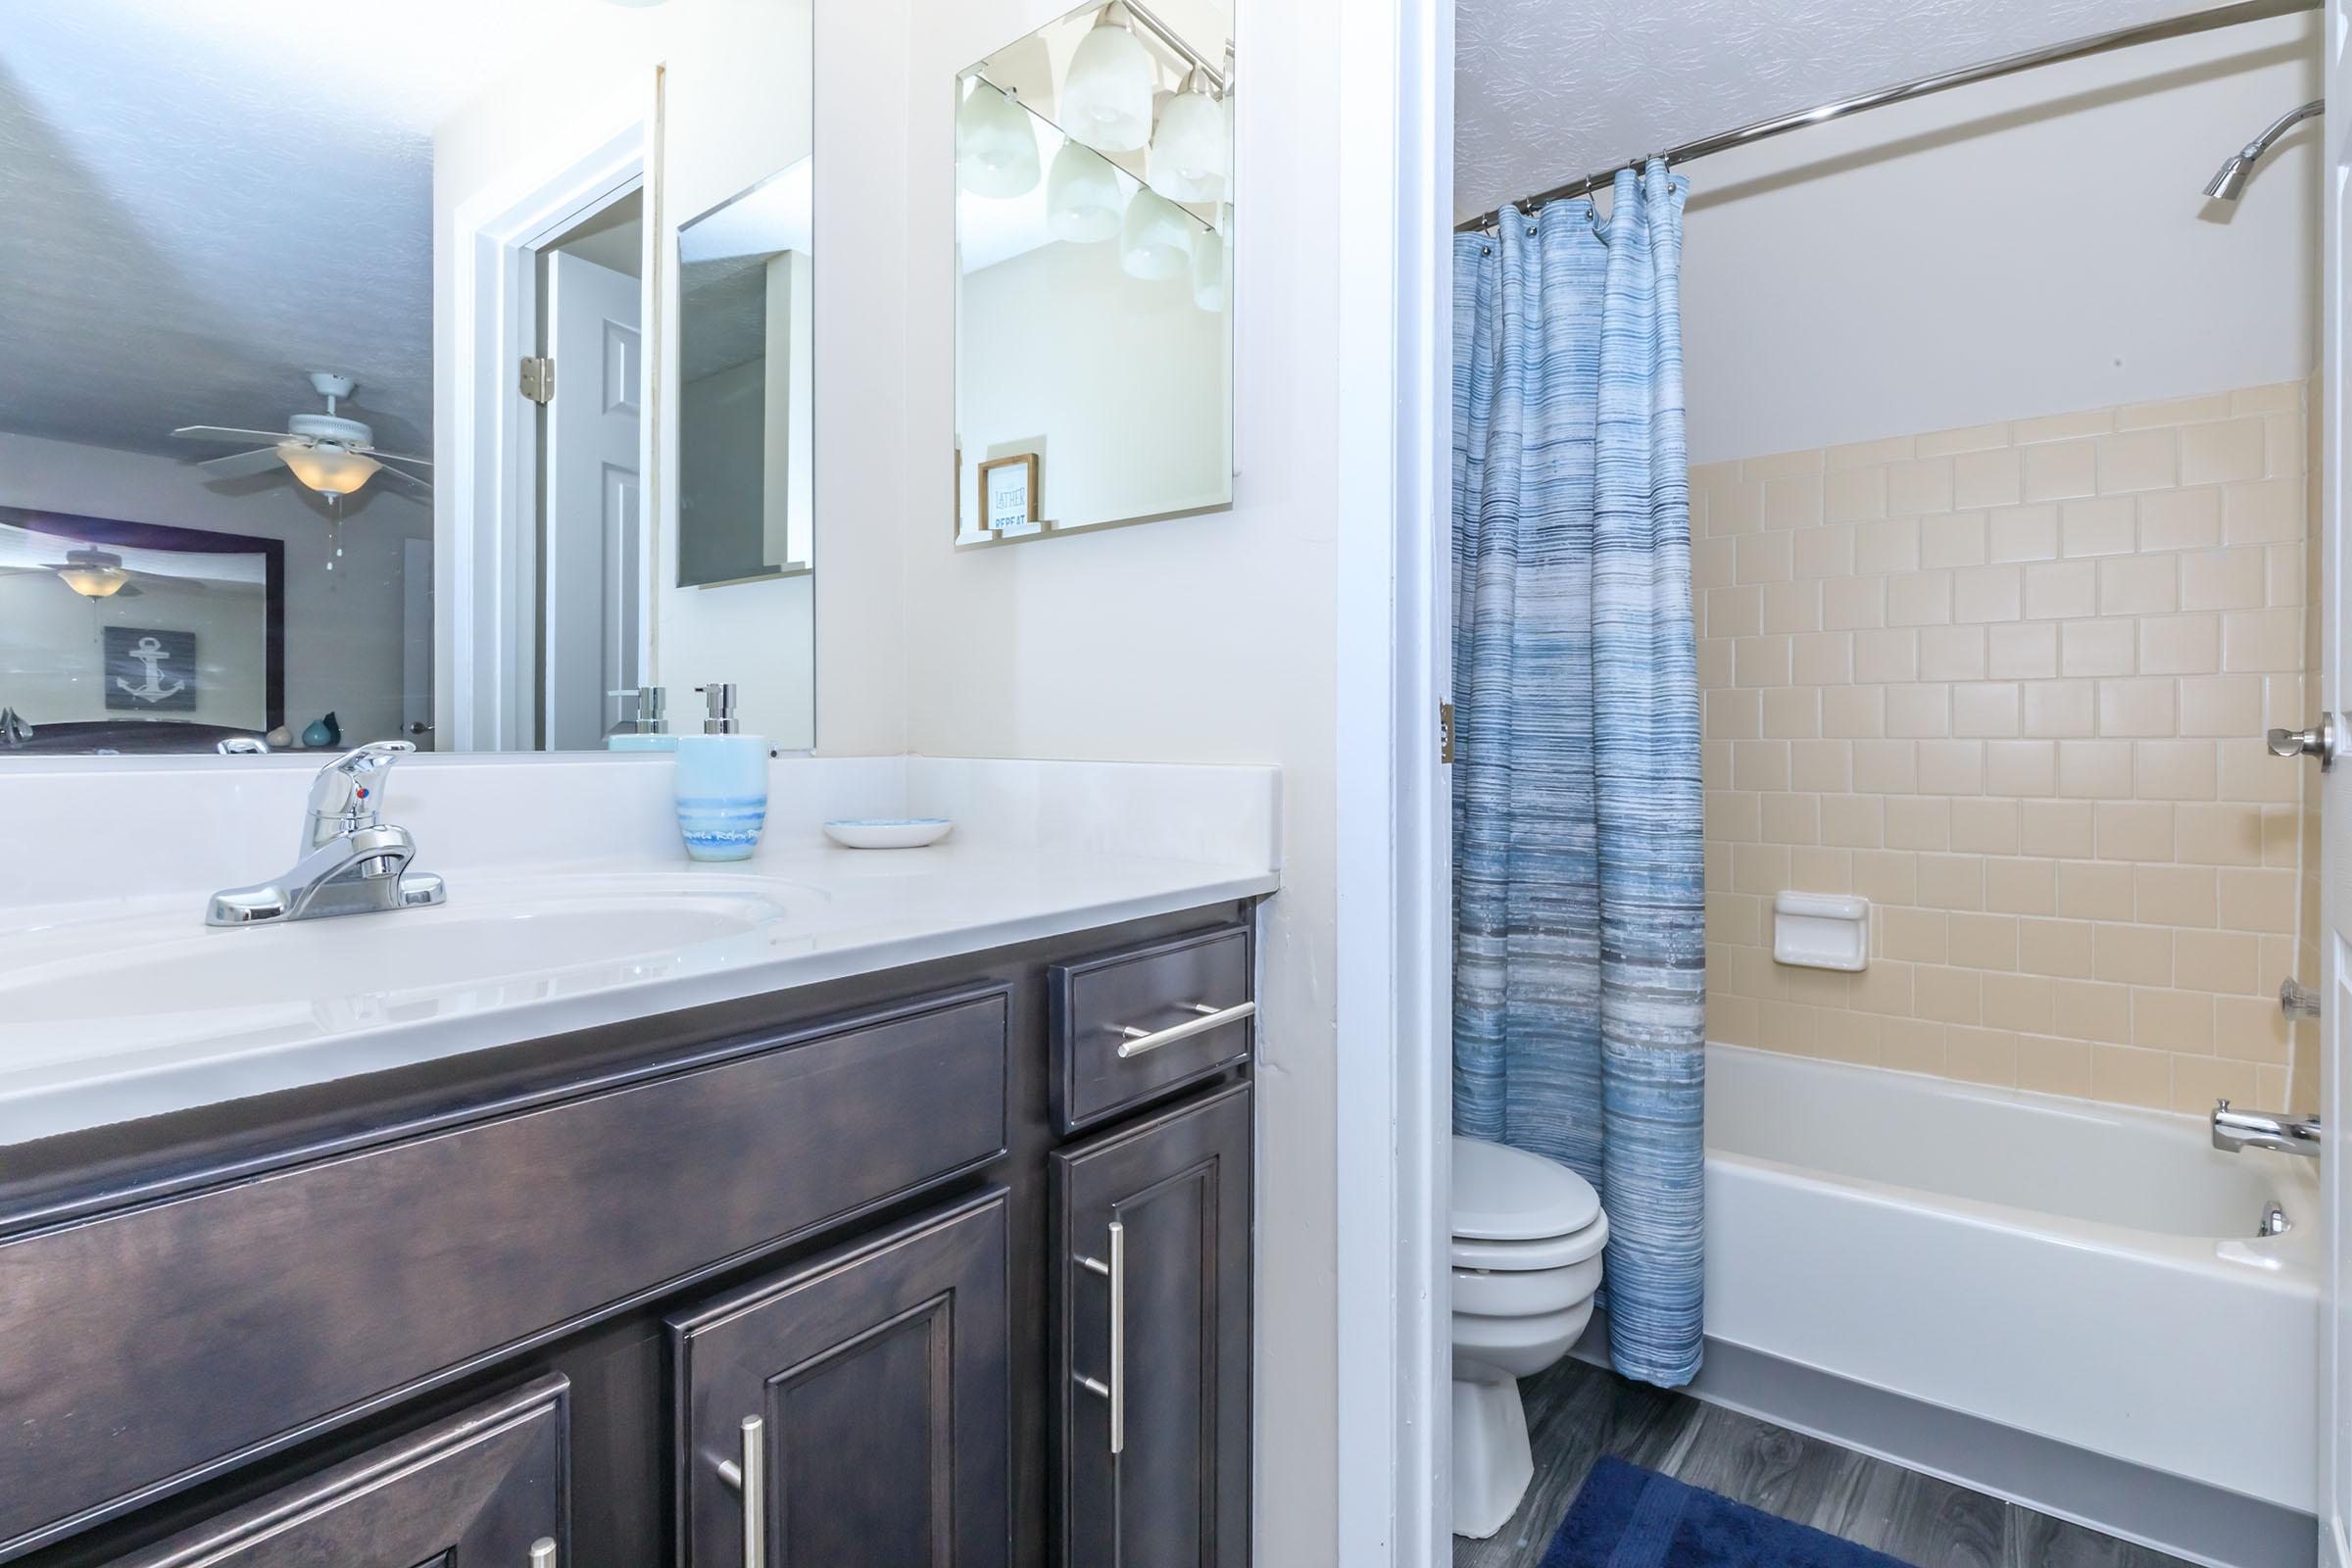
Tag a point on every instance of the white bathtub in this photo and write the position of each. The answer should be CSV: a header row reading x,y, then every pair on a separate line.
x,y
2086,1273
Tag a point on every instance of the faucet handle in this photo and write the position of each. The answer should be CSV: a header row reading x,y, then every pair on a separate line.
x,y
342,800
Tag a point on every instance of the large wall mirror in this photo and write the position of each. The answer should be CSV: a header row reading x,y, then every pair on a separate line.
x,y
1093,222
449,389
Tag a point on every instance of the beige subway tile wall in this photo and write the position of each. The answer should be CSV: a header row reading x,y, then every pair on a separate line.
x,y
2009,683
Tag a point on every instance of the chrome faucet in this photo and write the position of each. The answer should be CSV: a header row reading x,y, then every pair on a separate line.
x,y
352,861
2279,1131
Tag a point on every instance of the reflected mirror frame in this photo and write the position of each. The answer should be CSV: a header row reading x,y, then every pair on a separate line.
x,y
1169,49
127,535
787,569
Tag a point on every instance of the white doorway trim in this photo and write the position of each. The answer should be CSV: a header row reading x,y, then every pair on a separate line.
x,y
485,566
1394,992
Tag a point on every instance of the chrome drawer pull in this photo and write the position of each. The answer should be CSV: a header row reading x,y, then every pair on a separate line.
x,y
542,1553
750,1479
1134,1042
1116,1391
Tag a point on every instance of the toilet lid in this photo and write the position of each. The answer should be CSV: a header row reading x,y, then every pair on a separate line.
x,y
1508,1195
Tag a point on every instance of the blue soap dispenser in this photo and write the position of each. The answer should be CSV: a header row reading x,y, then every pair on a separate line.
x,y
721,783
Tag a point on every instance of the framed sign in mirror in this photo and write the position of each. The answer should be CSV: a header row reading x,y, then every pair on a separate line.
x,y
1094,215
1010,494
137,637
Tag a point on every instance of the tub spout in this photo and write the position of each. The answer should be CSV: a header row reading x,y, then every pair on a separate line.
x,y
2279,1131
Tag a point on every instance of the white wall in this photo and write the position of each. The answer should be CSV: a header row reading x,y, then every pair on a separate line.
x,y
732,116
343,628
1197,639
2025,246
1117,382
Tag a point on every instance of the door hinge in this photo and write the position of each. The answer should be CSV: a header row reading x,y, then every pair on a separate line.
x,y
538,377
1445,732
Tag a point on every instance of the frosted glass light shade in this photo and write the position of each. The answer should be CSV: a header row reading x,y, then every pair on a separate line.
x,y
1082,197
329,471
1208,270
1155,240
996,144
1188,152
1107,97
93,573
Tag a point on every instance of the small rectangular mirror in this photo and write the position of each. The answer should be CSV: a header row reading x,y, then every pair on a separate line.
x,y
1094,343
747,372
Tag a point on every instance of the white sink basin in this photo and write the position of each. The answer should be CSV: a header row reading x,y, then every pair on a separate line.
x,y
130,994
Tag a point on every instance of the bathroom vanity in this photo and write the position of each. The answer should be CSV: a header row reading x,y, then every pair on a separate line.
x,y
942,1262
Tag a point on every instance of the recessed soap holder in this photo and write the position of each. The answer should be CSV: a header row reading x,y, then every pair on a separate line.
x,y
1821,930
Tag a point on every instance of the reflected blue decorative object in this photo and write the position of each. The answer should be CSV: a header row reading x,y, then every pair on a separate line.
x,y
1580,962
721,783
322,732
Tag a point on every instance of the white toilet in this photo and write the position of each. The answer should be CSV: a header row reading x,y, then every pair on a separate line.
x,y
1527,1240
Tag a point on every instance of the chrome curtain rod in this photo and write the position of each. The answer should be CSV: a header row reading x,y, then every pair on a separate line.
x,y
2098,43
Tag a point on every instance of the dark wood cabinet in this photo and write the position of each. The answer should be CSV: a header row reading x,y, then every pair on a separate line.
x,y
856,1409
485,1489
515,1308
1153,1333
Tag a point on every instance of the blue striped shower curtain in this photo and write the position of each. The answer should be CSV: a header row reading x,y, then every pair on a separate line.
x,y
1579,922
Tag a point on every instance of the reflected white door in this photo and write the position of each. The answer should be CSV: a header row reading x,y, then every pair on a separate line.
x,y
416,642
592,613
2334,682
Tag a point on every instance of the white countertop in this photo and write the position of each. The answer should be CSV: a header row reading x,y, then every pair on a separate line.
x,y
129,1007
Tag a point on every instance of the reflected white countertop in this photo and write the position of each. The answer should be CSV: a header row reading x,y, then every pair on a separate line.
x,y
130,1006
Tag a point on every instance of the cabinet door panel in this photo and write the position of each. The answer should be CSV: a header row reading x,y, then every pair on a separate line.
x,y
1174,1288
476,1491
877,1375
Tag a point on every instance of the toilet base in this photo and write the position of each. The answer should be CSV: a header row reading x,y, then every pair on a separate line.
x,y
1493,1463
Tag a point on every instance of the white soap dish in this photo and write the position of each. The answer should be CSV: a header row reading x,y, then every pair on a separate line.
x,y
1821,931
888,832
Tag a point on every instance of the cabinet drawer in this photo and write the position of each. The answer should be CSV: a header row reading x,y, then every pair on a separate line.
x,y
1133,1026
485,1489
856,1408
152,1347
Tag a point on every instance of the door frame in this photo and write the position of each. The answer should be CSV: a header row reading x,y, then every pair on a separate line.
x,y
485,569
2325,693
1395,854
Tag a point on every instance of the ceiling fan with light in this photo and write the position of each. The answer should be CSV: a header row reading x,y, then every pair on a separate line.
x,y
89,571
331,455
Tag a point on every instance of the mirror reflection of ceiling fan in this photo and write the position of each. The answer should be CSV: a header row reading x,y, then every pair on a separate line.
x,y
89,572
331,455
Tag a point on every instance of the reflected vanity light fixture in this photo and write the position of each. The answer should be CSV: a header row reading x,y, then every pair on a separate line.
x,y
1188,151
331,471
1083,198
1106,96
1208,272
1155,240
996,143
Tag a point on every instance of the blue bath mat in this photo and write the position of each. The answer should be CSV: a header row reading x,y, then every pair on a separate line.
x,y
1629,1517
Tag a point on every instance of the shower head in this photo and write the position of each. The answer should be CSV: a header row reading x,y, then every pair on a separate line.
x,y
2230,179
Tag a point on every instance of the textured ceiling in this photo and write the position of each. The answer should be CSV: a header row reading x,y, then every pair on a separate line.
x,y
1547,90
203,201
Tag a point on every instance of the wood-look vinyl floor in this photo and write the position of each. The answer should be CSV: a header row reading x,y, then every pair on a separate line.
x,y
1575,1413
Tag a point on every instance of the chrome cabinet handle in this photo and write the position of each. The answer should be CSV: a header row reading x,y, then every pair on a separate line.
x,y
1116,1391
542,1553
1134,1042
749,1481
2318,740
